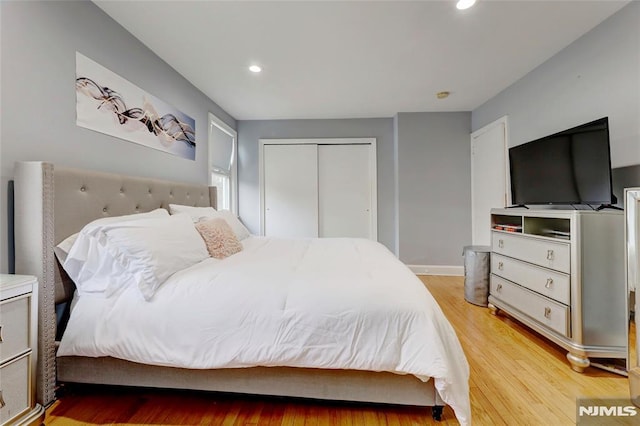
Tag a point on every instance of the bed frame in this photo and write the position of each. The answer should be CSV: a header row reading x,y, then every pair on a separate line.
x,y
53,203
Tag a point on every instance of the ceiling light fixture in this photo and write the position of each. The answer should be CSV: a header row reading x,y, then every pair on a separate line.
x,y
465,4
442,95
255,68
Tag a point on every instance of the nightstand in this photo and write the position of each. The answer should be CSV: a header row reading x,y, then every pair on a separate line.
x,y
18,350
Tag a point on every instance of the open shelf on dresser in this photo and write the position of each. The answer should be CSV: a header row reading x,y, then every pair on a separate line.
x,y
506,223
551,227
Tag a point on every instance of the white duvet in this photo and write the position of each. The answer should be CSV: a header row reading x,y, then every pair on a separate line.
x,y
316,303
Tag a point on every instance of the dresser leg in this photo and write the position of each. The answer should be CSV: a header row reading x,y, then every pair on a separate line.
x,y
578,362
493,309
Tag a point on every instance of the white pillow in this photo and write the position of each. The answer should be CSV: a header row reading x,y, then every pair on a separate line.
x,y
151,251
199,214
196,213
238,228
86,248
62,250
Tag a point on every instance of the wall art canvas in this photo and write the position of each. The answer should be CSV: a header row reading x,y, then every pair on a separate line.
x,y
107,103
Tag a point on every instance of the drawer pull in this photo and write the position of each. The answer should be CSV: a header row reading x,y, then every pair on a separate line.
x,y
0,333
500,266
2,403
501,243
547,313
549,283
499,287
549,254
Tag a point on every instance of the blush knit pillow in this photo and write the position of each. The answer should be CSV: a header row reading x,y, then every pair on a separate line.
x,y
219,238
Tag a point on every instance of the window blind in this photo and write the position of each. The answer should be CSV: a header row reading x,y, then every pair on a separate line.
x,y
220,149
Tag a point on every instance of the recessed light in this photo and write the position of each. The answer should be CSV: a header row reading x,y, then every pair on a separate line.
x,y
442,95
255,68
465,4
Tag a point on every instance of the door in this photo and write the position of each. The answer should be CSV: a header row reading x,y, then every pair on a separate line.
x,y
318,187
488,177
344,191
291,191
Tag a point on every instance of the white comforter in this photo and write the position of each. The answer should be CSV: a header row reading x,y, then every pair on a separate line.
x,y
317,303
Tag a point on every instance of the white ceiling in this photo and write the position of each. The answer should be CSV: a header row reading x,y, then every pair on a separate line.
x,y
352,59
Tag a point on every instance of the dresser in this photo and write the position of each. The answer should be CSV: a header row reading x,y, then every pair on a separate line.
x,y
561,272
18,351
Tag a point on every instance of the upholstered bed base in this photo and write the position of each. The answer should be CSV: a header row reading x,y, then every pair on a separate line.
x,y
344,385
53,203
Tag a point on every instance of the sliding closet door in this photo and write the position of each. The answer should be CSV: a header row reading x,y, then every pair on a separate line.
x,y
344,191
291,190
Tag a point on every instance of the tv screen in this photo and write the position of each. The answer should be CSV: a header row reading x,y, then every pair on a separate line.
x,y
569,167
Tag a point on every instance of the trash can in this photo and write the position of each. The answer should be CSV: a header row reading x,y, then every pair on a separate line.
x,y
477,265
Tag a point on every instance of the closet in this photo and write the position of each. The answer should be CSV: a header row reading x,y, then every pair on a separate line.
x,y
318,188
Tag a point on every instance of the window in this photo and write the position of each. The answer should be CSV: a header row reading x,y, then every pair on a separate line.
x,y
223,183
222,162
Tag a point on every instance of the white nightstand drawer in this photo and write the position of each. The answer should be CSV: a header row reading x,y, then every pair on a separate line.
x,y
555,285
15,388
550,254
14,327
552,314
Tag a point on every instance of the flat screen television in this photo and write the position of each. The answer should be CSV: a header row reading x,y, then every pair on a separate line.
x,y
569,167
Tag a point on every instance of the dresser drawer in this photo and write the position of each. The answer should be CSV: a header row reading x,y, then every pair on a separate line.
x,y
550,254
547,282
14,327
552,314
15,388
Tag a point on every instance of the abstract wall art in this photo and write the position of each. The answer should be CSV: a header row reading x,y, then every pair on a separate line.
x,y
107,103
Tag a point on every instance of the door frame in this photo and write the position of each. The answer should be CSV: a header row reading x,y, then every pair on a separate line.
x,y
325,141
507,184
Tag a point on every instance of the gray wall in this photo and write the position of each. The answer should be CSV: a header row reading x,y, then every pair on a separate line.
x,y
598,75
249,132
38,44
434,181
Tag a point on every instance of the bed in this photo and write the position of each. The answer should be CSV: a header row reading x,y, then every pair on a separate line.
x,y
53,203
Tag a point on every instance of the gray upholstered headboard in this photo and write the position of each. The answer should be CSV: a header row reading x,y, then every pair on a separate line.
x,y
51,203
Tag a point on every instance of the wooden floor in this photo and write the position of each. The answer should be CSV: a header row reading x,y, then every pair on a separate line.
x,y
517,378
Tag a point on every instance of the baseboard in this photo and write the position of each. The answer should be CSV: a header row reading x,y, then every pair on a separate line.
x,y
449,270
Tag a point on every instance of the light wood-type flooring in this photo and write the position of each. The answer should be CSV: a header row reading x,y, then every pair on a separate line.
x,y
517,378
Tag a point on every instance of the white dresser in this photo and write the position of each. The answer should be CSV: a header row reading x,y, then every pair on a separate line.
x,y
561,272
18,351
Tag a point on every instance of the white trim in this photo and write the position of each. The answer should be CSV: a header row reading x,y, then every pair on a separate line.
x,y
632,239
233,181
373,165
320,141
261,185
325,141
396,189
446,270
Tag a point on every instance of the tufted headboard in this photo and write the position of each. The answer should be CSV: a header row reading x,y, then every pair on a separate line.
x,y
52,203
